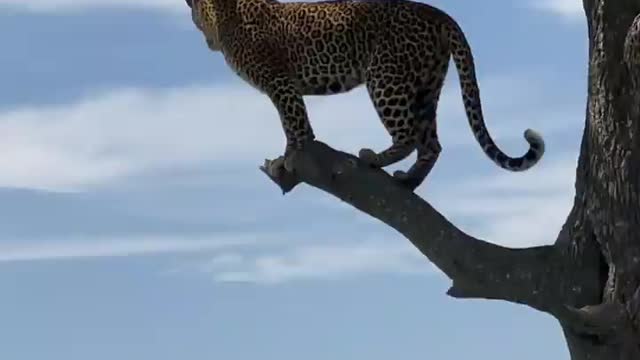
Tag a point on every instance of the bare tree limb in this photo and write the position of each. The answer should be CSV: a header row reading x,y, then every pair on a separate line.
x,y
478,268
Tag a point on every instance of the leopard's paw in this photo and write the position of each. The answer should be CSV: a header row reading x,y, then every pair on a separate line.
x,y
401,175
276,167
369,157
407,179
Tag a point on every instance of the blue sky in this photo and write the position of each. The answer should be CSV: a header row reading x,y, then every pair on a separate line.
x,y
135,224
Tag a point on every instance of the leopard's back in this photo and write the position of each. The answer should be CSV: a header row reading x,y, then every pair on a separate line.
x,y
329,44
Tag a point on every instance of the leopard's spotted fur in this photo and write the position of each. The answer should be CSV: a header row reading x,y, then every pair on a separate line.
x,y
400,49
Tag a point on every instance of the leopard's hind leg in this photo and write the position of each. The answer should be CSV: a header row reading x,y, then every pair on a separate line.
x,y
426,87
428,145
392,102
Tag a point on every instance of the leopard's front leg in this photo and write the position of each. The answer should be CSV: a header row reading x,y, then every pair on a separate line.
x,y
295,122
264,64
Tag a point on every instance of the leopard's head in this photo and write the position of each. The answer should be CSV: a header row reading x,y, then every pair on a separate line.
x,y
203,14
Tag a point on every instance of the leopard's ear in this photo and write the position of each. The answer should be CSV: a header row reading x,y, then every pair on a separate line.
x,y
190,3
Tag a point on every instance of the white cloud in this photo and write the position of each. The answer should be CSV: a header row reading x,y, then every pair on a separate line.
x,y
124,133
127,132
111,136
570,9
511,209
326,261
77,5
515,209
55,6
508,209
96,247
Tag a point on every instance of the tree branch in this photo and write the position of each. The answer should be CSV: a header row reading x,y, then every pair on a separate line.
x,y
478,269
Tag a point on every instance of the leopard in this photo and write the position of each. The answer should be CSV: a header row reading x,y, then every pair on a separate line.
x,y
399,49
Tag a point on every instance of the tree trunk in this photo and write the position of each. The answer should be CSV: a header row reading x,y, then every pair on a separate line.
x,y
608,181
589,279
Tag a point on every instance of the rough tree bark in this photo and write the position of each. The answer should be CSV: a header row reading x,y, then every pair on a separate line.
x,y
589,278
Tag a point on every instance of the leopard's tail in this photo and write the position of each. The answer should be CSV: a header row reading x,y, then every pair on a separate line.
x,y
463,59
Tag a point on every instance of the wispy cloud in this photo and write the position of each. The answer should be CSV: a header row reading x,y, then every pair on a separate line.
x,y
569,9
315,262
78,5
135,246
508,209
130,132
516,210
127,132
55,6
500,209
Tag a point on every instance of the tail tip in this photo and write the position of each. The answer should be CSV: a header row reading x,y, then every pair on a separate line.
x,y
535,141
